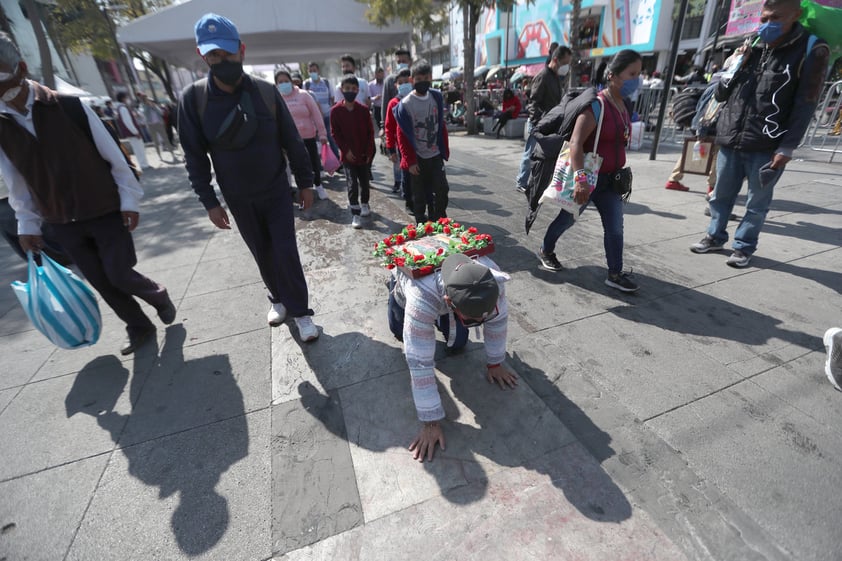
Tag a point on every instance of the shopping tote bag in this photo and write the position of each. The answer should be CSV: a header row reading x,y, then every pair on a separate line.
x,y
329,160
563,183
59,304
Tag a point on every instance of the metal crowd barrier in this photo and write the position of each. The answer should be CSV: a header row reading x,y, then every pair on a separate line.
x,y
825,131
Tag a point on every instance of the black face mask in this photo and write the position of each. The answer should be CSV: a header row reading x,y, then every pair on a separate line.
x,y
349,96
422,87
227,71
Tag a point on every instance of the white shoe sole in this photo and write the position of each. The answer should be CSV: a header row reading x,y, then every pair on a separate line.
x,y
828,344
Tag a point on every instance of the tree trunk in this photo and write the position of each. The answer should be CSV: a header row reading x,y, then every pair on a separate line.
x,y
575,14
47,74
470,18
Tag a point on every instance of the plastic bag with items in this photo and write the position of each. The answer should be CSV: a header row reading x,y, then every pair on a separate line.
x,y
59,304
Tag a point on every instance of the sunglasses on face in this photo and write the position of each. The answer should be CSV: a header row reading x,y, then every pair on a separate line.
x,y
475,322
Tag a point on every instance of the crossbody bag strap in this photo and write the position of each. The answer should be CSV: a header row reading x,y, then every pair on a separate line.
x,y
601,107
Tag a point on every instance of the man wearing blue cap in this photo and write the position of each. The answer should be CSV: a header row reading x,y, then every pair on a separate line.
x,y
249,133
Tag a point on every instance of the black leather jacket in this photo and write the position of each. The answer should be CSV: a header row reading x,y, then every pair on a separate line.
x,y
771,99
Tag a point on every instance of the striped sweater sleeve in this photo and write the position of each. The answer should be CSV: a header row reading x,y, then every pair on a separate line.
x,y
419,339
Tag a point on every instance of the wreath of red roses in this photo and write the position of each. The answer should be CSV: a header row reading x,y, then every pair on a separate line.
x,y
463,239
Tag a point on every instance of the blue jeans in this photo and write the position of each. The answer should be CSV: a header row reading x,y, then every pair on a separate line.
x,y
610,207
732,166
396,318
525,163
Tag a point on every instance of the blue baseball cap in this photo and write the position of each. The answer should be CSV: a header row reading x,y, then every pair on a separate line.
x,y
216,32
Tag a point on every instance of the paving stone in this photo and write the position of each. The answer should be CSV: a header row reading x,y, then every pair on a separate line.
x,y
355,344
559,506
43,433
30,350
200,494
199,384
213,275
314,489
40,513
6,397
224,313
68,361
729,437
488,429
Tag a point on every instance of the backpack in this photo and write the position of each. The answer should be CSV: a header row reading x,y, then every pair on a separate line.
x,y
198,91
684,106
72,107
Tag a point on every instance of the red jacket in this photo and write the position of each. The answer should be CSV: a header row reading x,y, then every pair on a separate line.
x,y
353,131
514,102
391,125
406,144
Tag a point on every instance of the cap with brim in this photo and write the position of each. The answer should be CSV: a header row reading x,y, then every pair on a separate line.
x,y
216,32
470,285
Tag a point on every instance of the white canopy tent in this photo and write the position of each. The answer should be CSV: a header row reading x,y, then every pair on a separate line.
x,y
273,30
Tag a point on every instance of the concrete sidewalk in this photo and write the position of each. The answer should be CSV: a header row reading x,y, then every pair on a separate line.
x,y
691,420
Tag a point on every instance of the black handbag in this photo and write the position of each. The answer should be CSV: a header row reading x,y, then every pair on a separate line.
x,y
621,182
238,127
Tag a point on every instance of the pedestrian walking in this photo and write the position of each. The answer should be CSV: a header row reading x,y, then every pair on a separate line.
x,y
246,128
769,103
423,144
351,127
129,128
390,129
320,88
308,120
75,186
621,80
547,87
403,59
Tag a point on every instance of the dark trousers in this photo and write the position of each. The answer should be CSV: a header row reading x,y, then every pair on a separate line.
x,y
359,187
315,159
103,250
504,118
429,190
267,225
9,230
396,317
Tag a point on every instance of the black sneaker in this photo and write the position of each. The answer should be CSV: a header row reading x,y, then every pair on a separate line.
x,y
549,261
706,244
621,281
520,189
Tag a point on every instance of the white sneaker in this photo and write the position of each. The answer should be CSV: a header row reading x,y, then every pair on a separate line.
x,y
307,330
320,191
365,210
833,366
277,314
356,222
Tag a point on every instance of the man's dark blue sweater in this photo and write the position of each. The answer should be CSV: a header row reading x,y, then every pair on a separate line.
x,y
256,170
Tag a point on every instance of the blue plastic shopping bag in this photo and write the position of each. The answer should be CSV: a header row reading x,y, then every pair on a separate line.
x,y
59,304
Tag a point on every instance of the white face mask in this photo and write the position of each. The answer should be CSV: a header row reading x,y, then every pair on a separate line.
x,y
563,69
11,94
6,76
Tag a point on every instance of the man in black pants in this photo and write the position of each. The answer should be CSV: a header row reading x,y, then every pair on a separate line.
x,y
79,189
248,158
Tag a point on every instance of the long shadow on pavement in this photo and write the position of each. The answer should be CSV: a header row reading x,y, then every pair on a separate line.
x,y
170,439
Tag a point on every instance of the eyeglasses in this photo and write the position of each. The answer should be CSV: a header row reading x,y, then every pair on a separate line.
x,y
475,322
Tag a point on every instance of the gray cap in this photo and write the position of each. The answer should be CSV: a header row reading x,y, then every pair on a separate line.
x,y
470,285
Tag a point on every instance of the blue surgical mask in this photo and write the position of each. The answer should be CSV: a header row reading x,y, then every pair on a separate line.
x,y
285,88
770,31
402,65
314,76
629,87
404,89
